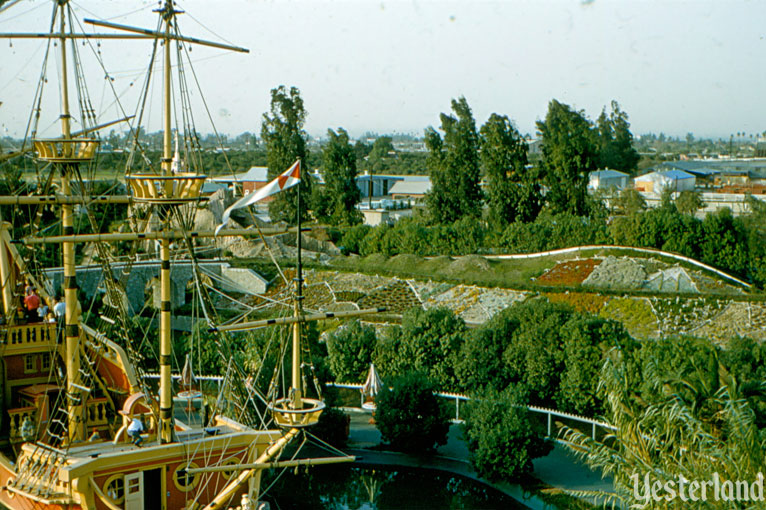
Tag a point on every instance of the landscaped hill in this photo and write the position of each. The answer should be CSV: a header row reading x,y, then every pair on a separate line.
x,y
652,296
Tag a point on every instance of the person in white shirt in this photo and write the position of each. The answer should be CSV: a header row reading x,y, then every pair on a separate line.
x,y
134,430
59,308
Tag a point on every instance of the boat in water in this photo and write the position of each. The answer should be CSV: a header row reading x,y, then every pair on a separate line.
x,y
71,393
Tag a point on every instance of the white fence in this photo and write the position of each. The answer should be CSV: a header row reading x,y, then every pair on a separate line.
x,y
651,251
590,423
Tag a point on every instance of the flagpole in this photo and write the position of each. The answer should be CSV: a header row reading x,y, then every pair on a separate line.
x,y
296,390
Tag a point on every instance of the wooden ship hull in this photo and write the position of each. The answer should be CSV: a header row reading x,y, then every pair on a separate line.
x,y
68,393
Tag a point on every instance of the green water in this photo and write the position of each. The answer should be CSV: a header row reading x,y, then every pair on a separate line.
x,y
351,488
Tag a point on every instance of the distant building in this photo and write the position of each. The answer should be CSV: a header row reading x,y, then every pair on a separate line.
x,y
381,184
656,182
608,179
414,188
245,182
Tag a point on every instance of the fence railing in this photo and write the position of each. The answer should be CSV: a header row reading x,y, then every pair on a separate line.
x,y
549,416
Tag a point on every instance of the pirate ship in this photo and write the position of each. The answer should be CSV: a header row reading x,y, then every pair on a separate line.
x,y
70,391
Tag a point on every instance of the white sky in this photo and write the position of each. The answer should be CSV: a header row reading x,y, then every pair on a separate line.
x,y
393,66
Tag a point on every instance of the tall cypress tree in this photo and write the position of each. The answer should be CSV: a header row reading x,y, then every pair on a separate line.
x,y
453,164
569,154
512,191
282,131
339,170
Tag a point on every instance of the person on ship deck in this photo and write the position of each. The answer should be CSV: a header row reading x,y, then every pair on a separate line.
x,y
32,303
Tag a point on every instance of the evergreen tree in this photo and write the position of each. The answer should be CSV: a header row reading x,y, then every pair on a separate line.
x,y
615,141
453,164
569,154
512,191
339,170
282,132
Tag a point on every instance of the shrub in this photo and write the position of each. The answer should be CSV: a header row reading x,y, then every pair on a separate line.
x,y
410,417
501,438
332,427
349,350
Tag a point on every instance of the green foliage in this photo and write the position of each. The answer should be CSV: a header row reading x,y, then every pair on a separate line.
x,y
353,237
630,202
410,417
569,154
349,350
745,359
615,141
430,343
411,235
282,132
550,232
689,202
676,412
511,188
561,371
339,171
332,427
500,436
453,165
381,155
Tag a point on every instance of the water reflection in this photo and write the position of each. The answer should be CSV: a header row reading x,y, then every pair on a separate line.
x,y
352,488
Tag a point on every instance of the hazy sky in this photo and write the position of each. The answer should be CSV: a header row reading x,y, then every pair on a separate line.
x,y
392,66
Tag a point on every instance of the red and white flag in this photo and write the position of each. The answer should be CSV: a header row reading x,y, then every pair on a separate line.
x,y
287,179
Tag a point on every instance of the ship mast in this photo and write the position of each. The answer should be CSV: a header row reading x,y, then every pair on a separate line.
x,y
76,426
166,398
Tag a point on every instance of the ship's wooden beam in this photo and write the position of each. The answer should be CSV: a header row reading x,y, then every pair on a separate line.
x,y
292,320
319,461
63,199
149,236
162,35
102,126
225,495
46,35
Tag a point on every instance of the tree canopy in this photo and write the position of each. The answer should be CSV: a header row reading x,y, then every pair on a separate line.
x,y
569,154
410,417
282,132
615,141
340,194
512,190
453,164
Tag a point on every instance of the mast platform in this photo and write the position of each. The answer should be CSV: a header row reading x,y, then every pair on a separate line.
x,y
63,150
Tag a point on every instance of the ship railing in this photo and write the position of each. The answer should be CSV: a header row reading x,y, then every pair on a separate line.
x,y
96,409
27,337
63,150
17,416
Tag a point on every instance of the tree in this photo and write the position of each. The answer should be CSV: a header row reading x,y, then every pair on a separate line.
x,y
615,141
282,132
453,164
676,412
349,350
689,202
630,202
339,170
500,436
512,190
380,153
569,154
410,417
430,343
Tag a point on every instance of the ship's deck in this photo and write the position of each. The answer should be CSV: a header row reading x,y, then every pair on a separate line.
x,y
101,447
